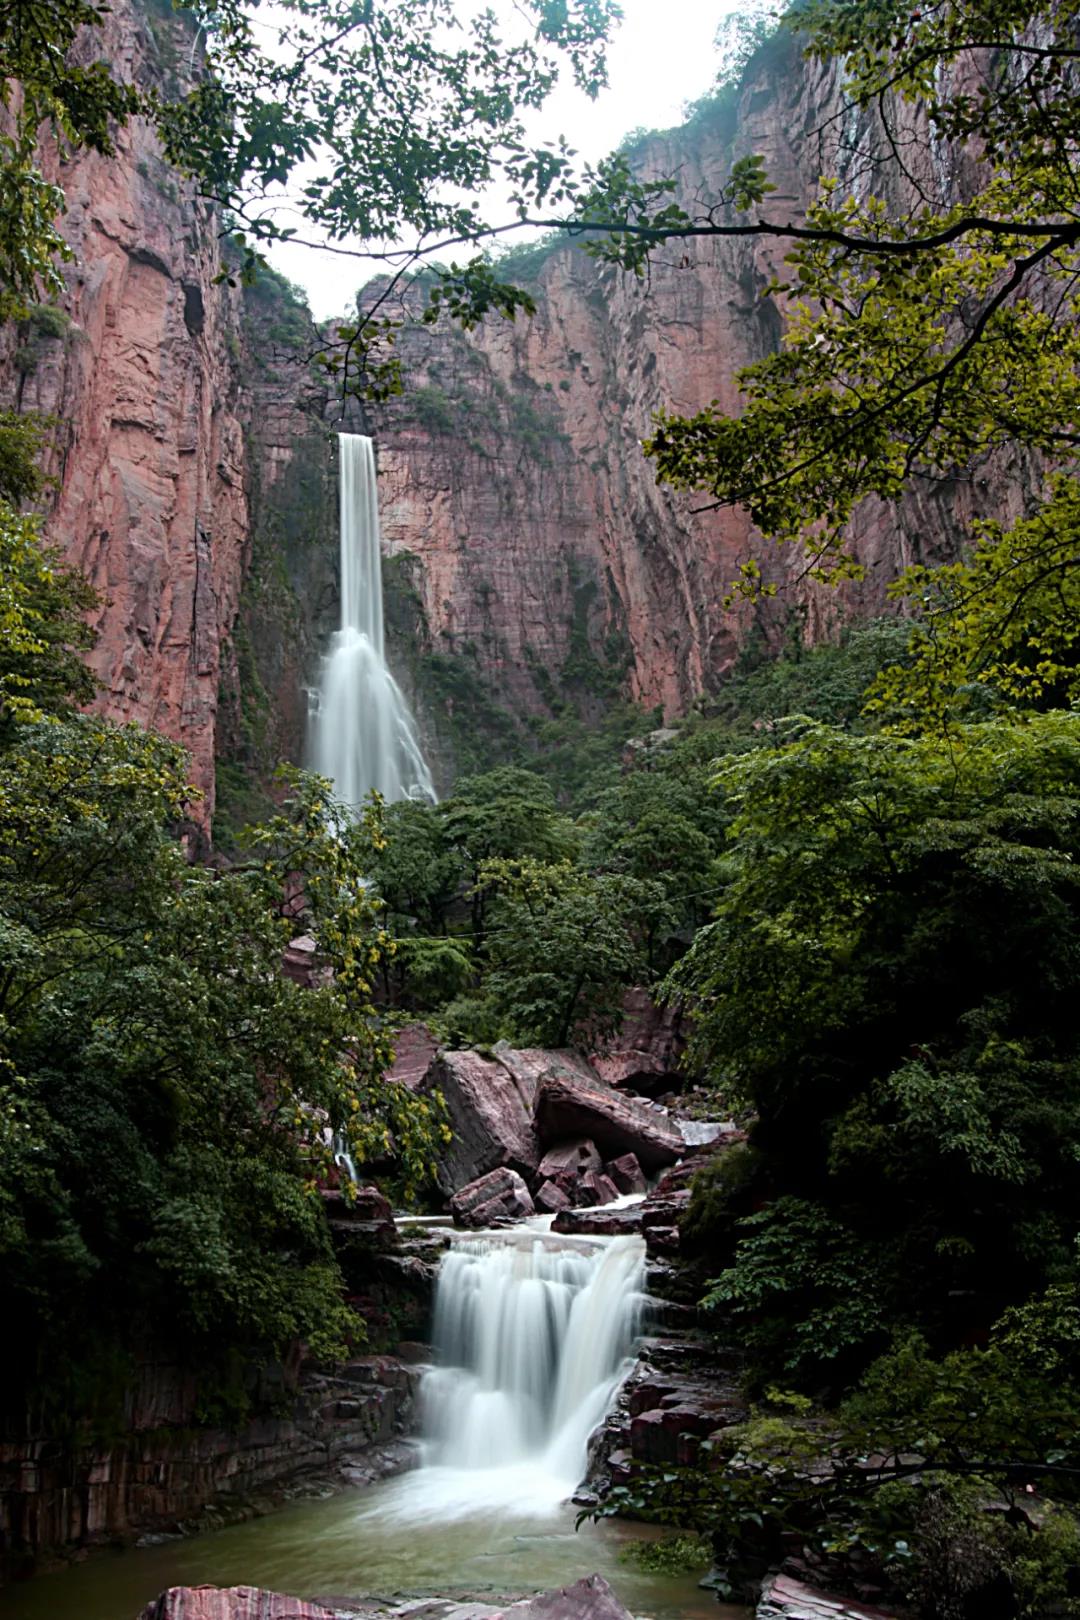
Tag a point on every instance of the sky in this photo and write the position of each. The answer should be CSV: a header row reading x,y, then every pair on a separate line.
x,y
661,57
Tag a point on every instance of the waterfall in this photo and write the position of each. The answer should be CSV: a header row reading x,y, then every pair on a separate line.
x,y
362,734
533,1338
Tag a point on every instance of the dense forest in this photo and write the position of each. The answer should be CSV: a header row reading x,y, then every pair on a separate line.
x,y
852,866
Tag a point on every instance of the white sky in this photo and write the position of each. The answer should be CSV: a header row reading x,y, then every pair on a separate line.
x,y
661,57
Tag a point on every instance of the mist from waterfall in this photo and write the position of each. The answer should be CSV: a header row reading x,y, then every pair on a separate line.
x,y
362,734
532,1339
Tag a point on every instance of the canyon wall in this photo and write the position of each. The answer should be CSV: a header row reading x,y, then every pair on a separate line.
x,y
533,564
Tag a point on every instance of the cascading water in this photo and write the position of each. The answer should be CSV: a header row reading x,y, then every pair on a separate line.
x,y
362,734
533,1339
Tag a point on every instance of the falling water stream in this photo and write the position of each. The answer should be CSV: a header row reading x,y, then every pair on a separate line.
x,y
362,734
532,1336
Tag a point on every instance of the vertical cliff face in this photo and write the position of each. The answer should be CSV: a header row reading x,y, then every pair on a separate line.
x,y
513,468
148,455
533,561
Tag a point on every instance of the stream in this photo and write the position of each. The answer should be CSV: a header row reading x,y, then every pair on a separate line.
x,y
532,1335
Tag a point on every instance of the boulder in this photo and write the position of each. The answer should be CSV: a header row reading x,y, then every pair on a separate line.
x,y
572,1106
551,1198
588,1599
574,1158
598,1188
492,1200
644,1055
627,1174
415,1049
490,1114
301,962
783,1598
232,1603
599,1222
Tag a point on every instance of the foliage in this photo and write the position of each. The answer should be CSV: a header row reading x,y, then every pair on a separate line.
x,y
169,1094
167,1097
886,982
42,629
563,947
922,1481
82,102
674,1555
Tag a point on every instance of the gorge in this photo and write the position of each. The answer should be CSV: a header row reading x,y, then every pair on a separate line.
x,y
539,1074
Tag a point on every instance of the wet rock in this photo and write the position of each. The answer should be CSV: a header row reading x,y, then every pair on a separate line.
x,y
673,1434
599,1222
783,1598
627,1174
490,1108
588,1599
572,1106
598,1188
232,1603
551,1198
493,1200
570,1158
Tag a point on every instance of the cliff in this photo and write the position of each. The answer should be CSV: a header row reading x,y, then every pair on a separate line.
x,y
533,564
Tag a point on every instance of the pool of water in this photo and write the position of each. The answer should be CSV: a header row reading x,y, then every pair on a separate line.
x,y
358,1542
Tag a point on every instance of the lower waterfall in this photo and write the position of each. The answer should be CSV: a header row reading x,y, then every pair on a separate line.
x,y
532,1338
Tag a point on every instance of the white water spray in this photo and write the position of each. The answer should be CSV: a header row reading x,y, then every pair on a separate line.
x,y
533,1339
362,734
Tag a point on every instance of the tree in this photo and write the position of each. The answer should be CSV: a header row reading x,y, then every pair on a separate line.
x,y
169,1098
887,982
564,946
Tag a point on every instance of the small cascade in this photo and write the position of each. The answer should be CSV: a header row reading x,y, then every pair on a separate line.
x,y
533,1339
362,734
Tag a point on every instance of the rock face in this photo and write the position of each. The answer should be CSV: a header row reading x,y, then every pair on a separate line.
x,y
490,1117
194,473
512,469
151,498
167,1472
580,1106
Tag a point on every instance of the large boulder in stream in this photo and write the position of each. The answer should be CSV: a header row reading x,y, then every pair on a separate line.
x,y
588,1599
579,1105
490,1114
490,1100
232,1603
494,1200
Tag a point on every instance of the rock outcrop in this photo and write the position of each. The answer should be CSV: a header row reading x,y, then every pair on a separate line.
x,y
576,1105
167,1473
783,1598
529,545
489,1105
588,1599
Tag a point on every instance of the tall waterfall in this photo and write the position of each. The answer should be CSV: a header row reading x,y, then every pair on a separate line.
x,y
362,734
532,1340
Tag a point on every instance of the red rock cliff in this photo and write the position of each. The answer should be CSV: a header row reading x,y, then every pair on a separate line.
x,y
194,471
